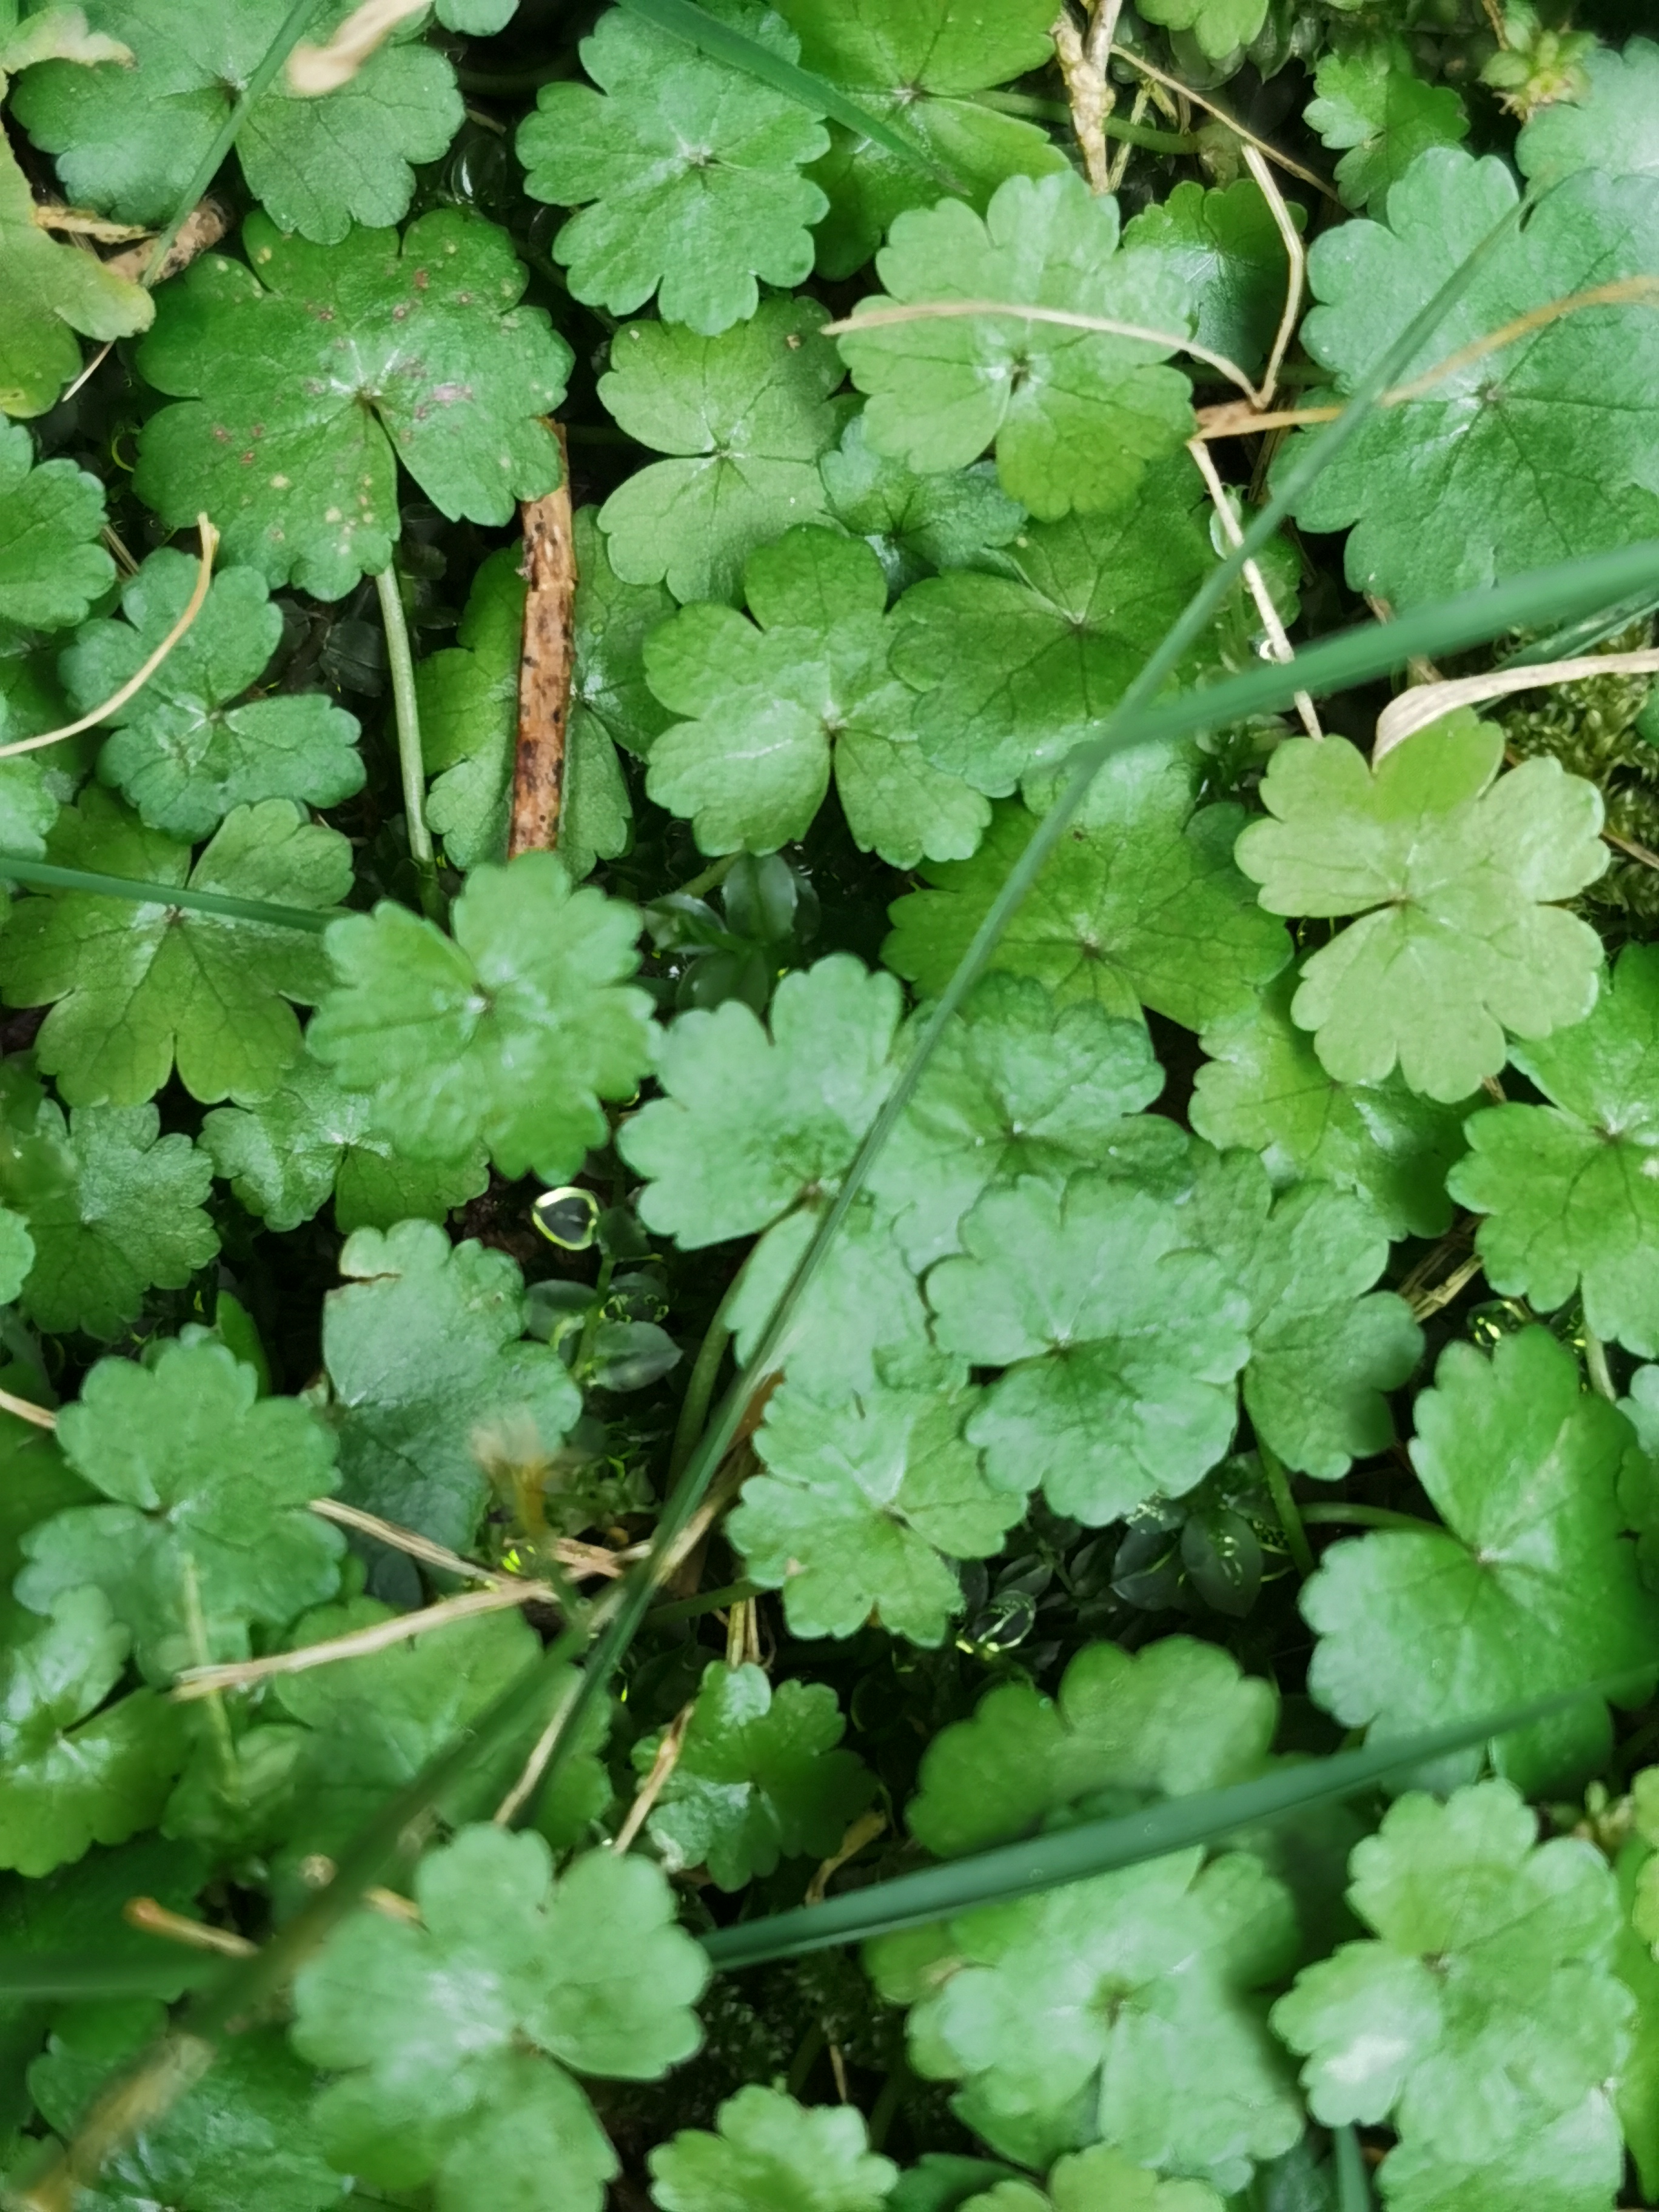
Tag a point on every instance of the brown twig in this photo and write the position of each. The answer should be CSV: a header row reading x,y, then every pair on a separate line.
x,y
25,1409
205,226
1249,137
663,1765
545,668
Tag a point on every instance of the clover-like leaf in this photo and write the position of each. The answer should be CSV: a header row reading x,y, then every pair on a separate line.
x,y
861,1496
1219,27
1074,415
747,415
1373,104
206,1532
773,705
469,701
862,1307
1123,2007
1014,668
1570,1190
1140,902
1020,1087
1510,460
749,1124
1531,1587
1325,1347
52,290
915,525
129,137
185,752
1119,1348
918,63
1612,124
1263,1086
759,1778
112,1207
587,1973
74,1770
1449,867
1225,245
51,564
507,1033
239,2136
771,2155
423,1349
1125,1728
136,989
304,378
1576,2162
694,168
1488,2002
287,1155
1098,2179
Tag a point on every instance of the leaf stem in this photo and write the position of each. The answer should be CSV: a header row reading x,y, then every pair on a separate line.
x,y
1596,1359
406,710
1354,2190
293,24
1340,1514
689,1609
1284,1506
711,878
1028,105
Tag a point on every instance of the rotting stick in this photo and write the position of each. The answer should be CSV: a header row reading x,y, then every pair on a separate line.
x,y
545,668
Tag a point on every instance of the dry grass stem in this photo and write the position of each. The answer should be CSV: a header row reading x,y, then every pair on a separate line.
x,y
1090,96
207,1682
205,226
1296,284
667,1759
1256,582
1246,138
314,71
1424,704
25,1409
156,1920
865,1830
415,1547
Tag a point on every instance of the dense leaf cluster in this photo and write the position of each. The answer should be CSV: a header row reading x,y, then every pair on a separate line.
x,y
1202,1323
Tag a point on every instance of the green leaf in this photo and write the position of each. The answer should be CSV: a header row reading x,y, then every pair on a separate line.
x,y
185,753
1639,1970
695,169
477,19
587,1973
1323,1353
758,1779
306,379
136,988
508,1033
1448,866
1125,1728
240,2136
1529,453
1219,27
1225,247
1015,669
750,1124
861,1496
1019,1086
748,414
1123,2007
207,1533
52,290
1119,1348
469,702
1098,2180
916,523
52,33
357,1730
1613,124
918,64
1372,103
1575,2162
1262,1086
310,1140
128,139
114,1208
1532,1586
75,1770
423,1348
1568,1188
772,2155
1488,2006
1074,415
51,564
1140,902
772,704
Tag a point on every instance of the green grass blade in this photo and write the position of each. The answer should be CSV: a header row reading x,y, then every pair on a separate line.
x,y
724,42
40,875
36,1977
1354,2190
1047,1862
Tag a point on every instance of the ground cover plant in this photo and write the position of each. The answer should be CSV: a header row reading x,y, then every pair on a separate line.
x,y
829,1106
